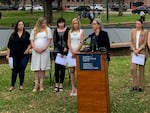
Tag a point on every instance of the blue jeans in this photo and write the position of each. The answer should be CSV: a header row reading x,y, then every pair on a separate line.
x,y
19,66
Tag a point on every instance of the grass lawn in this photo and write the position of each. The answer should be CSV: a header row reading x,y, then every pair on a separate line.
x,y
10,17
121,100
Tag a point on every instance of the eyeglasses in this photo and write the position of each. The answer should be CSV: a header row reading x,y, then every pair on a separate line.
x,y
94,23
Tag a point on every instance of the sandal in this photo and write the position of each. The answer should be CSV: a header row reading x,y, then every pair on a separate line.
x,y
35,86
21,87
11,88
73,93
41,85
61,89
56,89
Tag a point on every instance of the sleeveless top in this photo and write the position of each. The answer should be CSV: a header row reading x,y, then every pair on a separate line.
x,y
75,39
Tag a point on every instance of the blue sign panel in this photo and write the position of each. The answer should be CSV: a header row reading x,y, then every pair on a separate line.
x,y
89,62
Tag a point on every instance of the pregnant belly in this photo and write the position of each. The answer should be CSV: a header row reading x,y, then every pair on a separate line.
x,y
40,43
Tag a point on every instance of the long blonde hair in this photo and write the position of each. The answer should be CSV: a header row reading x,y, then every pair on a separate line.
x,y
72,26
37,26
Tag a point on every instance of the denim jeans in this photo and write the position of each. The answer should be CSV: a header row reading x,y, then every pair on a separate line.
x,y
19,66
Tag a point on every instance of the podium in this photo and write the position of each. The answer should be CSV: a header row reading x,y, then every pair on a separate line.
x,y
92,83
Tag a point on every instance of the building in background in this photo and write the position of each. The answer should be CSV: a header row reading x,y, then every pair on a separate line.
x,y
67,3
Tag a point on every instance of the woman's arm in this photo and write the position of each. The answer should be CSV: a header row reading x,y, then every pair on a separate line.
x,y
47,44
8,53
69,43
148,40
81,41
143,46
28,49
131,41
9,45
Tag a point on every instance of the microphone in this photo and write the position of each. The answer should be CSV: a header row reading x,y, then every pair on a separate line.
x,y
87,37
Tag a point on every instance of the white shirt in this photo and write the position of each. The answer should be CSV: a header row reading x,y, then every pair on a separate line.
x,y
142,13
137,39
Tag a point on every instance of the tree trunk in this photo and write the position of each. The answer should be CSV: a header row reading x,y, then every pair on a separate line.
x,y
59,5
32,6
24,2
120,8
48,14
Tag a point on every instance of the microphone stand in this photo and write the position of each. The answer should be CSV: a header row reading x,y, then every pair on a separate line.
x,y
94,44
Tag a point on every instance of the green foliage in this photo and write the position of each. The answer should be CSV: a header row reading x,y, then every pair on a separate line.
x,y
10,17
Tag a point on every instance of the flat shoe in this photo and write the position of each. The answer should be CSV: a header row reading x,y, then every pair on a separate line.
x,y
140,89
21,87
11,88
133,89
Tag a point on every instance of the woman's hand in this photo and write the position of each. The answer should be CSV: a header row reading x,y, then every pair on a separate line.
x,y
73,54
41,50
7,57
37,50
65,50
136,52
26,51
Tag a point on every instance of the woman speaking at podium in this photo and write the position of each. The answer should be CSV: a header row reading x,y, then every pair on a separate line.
x,y
99,38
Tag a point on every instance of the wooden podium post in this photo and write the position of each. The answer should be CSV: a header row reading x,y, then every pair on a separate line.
x,y
92,83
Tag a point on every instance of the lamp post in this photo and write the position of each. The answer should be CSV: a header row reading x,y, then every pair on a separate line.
x,y
94,8
107,11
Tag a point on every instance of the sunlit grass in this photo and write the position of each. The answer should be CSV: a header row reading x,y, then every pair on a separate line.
x,y
121,100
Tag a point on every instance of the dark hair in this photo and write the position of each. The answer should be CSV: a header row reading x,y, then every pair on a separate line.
x,y
16,26
140,20
59,20
16,29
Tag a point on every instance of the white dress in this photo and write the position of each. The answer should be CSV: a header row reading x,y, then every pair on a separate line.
x,y
40,61
75,41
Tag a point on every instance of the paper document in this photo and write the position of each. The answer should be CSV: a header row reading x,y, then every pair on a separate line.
x,y
61,59
10,62
138,59
71,61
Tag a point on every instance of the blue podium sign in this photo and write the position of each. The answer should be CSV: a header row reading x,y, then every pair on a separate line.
x,y
89,62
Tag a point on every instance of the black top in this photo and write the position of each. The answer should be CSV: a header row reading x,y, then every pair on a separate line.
x,y
18,45
60,42
100,43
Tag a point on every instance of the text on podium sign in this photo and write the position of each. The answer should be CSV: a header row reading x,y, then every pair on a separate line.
x,y
89,62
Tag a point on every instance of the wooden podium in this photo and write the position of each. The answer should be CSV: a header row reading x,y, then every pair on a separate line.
x,y
92,83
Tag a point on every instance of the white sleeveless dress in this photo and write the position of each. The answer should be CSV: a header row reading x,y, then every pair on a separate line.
x,y
40,61
75,41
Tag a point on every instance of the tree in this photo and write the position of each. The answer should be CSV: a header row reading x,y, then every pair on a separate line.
x,y
31,6
120,7
48,14
59,4
6,1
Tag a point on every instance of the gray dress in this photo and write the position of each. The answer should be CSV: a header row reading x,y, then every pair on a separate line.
x,y
40,61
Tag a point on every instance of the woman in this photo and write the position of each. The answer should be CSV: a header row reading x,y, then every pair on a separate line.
x,y
99,39
75,39
18,49
40,40
60,48
138,46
